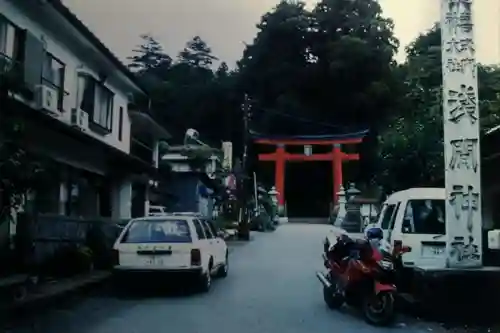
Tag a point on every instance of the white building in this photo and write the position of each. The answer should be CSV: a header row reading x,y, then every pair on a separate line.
x,y
193,184
76,101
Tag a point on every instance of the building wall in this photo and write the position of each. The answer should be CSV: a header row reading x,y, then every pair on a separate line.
x,y
122,200
184,185
76,61
57,36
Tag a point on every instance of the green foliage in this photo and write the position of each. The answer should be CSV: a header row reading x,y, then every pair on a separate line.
x,y
331,65
199,156
149,55
328,65
197,53
20,170
411,147
187,93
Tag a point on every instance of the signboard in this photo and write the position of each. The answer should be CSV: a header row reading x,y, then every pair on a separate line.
x,y
308,150
227,148
461,135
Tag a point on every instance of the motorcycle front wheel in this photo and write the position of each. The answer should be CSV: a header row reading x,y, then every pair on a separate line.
x,y
378,309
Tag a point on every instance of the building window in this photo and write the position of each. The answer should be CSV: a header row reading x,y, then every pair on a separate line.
x,y
97,100
7,38
11,44
53,75
120,124
103,110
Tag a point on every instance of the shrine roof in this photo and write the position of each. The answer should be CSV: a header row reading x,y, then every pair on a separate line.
x,y
325,137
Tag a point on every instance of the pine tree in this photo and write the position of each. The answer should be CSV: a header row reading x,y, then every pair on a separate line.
x,y
149,55
197,53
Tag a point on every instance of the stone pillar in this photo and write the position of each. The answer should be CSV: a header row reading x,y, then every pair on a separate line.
x,y
122,200
461,136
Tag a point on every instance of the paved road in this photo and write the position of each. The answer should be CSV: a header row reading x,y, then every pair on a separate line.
x,y
271,288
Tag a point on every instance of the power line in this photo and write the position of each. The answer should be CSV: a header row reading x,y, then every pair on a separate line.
x,y
302,119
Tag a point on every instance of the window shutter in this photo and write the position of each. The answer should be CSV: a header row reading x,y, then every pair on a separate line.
x,y
34,55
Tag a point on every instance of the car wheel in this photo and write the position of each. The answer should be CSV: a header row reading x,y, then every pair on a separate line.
x,y
224,269
205,282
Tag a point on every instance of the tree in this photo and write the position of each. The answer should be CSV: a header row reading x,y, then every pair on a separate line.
x,y
326,71
20,170
354,45
187,93
197,53
222,71
274,69
149,55
411,144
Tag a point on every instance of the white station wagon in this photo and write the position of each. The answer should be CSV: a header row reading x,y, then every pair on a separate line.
x,y
184,246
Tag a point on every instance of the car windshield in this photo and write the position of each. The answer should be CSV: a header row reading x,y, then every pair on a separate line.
x,y
158,231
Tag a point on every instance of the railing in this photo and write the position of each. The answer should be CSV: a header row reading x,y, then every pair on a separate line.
x,y
141,151
48,233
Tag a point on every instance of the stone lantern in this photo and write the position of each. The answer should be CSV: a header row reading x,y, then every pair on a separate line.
x,y
273,194
353,221
342,212
352,191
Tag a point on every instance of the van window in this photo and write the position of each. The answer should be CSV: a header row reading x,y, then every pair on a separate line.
x,y
387,214
393,217
424,217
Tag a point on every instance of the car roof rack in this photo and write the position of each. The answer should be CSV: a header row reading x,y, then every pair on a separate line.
x,y
184,214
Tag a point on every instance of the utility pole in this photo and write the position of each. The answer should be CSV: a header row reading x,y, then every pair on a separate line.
x,y
243,225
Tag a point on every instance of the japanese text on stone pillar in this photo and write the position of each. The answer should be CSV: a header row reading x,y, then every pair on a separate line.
x,y
461,134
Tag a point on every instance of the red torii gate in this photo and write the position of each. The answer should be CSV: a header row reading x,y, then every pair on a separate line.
x,y
336,156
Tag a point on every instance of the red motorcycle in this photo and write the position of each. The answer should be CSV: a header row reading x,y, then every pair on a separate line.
x,y
362,274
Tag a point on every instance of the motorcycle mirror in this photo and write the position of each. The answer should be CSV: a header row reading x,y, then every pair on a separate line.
x,y
406,249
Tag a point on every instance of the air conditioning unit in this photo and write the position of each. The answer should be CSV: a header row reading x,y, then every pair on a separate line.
x,y
80,119
46,99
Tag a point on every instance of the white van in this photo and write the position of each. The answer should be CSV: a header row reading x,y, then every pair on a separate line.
x,y
416,217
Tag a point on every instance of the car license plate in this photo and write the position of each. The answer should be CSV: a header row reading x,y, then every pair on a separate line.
x,y
149,260
154,260
432,251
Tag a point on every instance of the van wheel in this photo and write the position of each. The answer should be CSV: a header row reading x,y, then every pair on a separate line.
x,y
224,269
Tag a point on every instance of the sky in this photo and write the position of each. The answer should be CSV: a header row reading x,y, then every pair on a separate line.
x,y
227,24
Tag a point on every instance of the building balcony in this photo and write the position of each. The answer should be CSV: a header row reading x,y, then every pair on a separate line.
x,y
142,151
